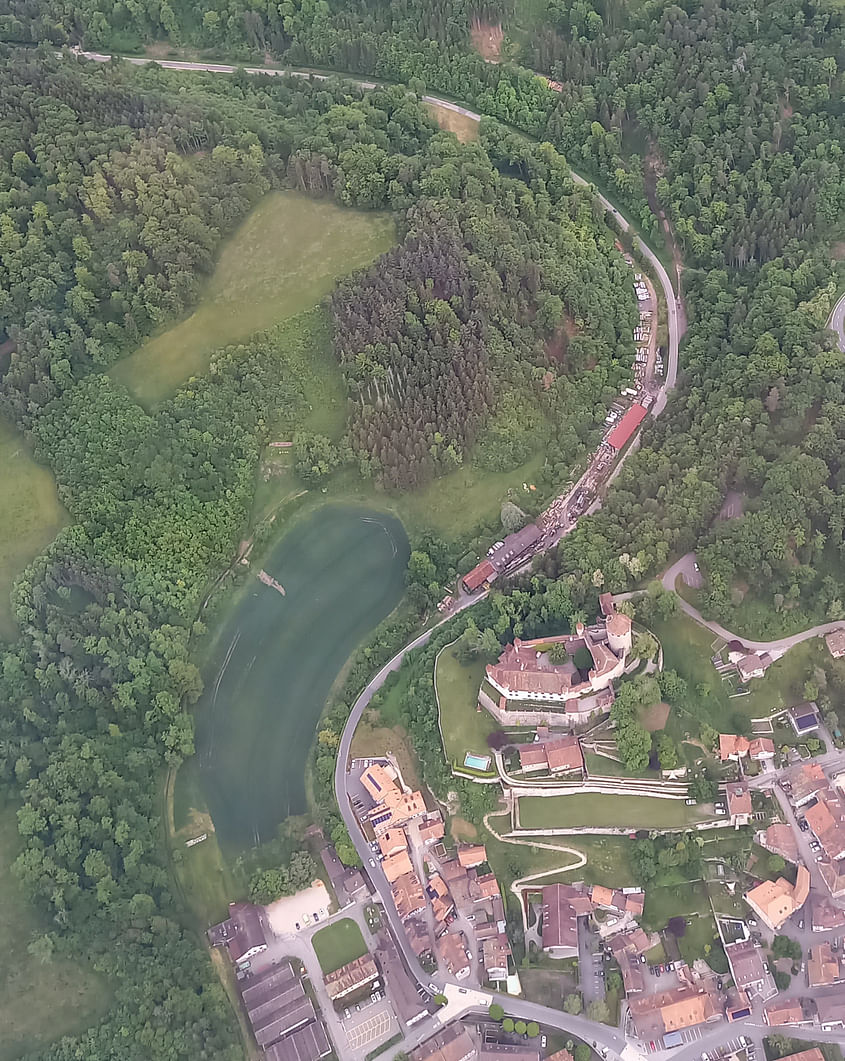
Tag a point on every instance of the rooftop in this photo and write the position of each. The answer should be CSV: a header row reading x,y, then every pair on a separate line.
x,y
787,1011
824,968
351,976
624,430
672,1010
739,800
776,901
470,855
305,1044
746,961
452,1044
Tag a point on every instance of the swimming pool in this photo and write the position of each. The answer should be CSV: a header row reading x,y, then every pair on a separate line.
x,y
477,762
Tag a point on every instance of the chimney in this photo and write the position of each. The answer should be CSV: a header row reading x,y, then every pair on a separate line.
x,y
579,629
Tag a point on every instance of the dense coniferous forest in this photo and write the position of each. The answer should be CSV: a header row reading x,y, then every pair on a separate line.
x,y
116,188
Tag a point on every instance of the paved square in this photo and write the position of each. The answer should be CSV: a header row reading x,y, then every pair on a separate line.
x,y
370,1026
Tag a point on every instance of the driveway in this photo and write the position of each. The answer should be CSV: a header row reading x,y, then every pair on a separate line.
x,y
592,971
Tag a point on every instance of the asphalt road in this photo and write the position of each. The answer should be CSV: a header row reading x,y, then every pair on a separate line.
x,y
685,567
837,322
599,1034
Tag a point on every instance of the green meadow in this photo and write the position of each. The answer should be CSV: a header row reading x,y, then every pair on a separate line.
x,y
283,259
30,515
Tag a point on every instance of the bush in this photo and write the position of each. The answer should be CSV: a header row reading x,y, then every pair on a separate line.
x,y
533,1030
496,1012
583,1052
507,1024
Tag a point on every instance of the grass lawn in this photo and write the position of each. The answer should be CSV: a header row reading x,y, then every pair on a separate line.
x,y
601,766
30,515
284,258
687,648
39,1001
202,873
372,739
465,729
338,944
464,128
607,860
589,809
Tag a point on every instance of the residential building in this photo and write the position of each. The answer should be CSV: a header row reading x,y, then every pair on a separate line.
x,y
804,717
824,966
634,942
442,903
807,781
779,839
787,1011
495,953
396,809
672,1010
408,895
622,901
762,749
826,916
393,842
431,830
470,855
418,936
452,949
748,968
397,865
831,1011
308,1043
378,782
814,1054
739,804
732,747
559,756
633,976
242,933
833,875
508,1052
452,1044
484,887
776,901
737,1004
753,666
827,821
562,1055
835,642
351,978
525,672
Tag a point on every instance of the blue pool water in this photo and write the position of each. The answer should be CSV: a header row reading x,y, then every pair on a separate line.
x,y
477,762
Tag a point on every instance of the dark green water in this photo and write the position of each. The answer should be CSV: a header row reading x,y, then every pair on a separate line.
x,y
343,572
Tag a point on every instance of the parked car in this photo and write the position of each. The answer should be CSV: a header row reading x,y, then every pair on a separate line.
x,y
690,802
372,862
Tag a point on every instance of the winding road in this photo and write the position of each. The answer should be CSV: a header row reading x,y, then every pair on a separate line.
x,y
685,567
600,1035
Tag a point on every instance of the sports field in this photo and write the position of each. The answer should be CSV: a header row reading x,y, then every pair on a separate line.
x,y
282,260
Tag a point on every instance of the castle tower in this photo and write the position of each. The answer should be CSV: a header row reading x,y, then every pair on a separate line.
x,y
619,634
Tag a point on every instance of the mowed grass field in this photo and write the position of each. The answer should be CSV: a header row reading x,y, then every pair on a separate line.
x,y
30,515
283,259
338,944
39,1001
464,728
589,809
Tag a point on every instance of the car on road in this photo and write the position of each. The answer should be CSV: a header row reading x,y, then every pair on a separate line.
x,y
372,862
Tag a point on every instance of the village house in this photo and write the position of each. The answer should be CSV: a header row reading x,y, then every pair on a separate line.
x,y
831,1011
786,1011
408,895
833,875
804,717
471,855
739,804
669,1011
397,865
780,840
824,966
453,951
495,953
826,819
775,902
393,842
508,1052
431,830
749,970
807,781
454,1043
562,755
563,904
753,666
826,916
835,642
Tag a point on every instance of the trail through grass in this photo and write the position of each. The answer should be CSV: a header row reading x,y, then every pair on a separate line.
x,y
283,259
30,515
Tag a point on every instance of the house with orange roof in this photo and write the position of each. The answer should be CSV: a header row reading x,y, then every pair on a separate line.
x,y
785,1011
739,804
392,842
762,749
431,831
408,895
470,855
378,782
775,902
732,747
673,1010
780,839
824,967
397,865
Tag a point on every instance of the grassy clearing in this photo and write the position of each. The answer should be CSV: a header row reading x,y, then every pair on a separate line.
x,y
687,648
39,1001
465,729
30,515
373,739
602,766
589,809
283,259
338,944
607,860
464,128
202,873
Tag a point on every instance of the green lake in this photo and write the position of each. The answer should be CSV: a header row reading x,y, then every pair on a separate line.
x,y
343,571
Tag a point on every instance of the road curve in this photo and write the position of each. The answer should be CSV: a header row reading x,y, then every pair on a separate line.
x,y
676,323
779,645
836,323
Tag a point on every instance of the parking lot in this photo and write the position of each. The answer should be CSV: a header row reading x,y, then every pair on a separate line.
x,y
372,1025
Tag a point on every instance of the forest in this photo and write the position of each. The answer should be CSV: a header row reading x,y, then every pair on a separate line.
x,y
117,187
